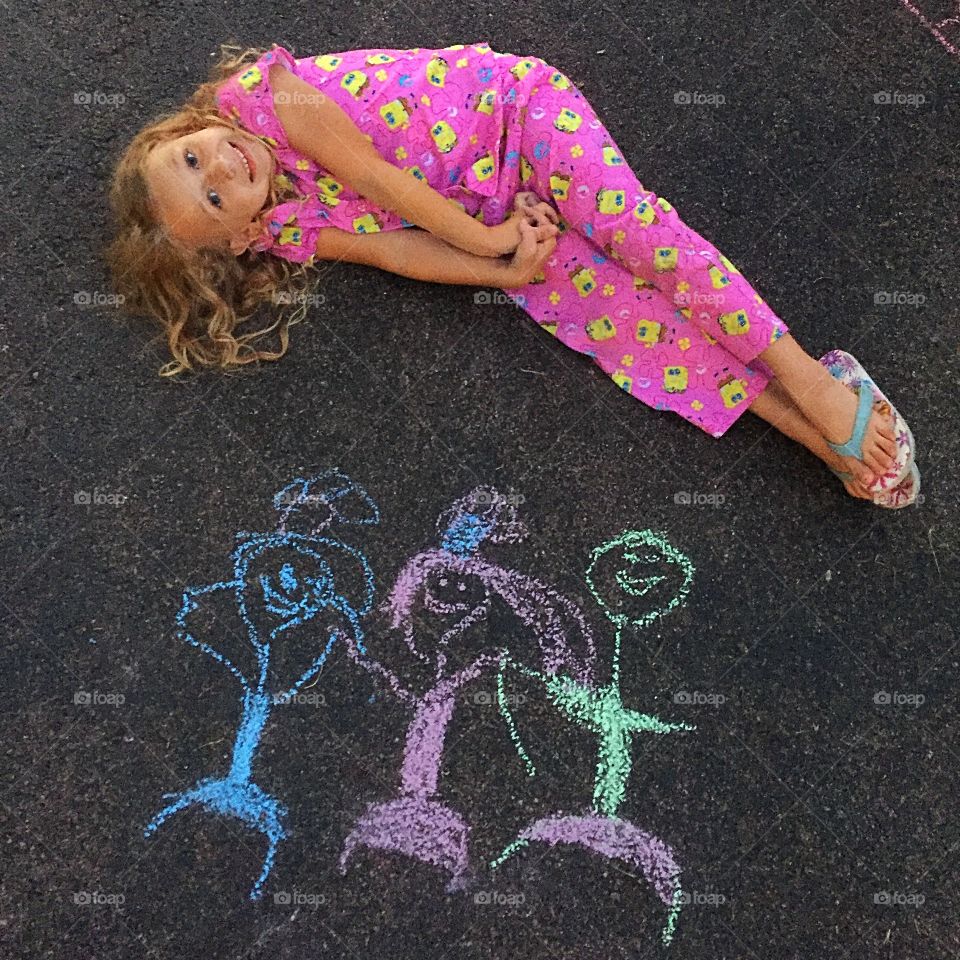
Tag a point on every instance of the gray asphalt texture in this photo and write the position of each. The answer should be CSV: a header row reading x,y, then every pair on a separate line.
x,y
811,819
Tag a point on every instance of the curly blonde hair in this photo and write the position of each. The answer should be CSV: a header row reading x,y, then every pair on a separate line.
x,y
199,297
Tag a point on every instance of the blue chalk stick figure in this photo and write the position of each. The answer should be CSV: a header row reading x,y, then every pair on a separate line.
x,y
287,578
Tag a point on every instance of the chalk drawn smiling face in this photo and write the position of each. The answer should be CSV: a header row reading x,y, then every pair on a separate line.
x,y
449,625
638,577
450,593
293,592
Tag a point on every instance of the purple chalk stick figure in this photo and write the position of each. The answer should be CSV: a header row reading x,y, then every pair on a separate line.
x,y
452,588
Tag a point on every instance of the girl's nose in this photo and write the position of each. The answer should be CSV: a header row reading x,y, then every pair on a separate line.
x,y
221,168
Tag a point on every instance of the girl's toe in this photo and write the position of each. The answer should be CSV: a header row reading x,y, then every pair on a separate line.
x,y
889,447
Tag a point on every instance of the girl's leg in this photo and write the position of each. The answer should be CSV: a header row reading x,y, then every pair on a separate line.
x,y
571,157
568,155
828,404
776,408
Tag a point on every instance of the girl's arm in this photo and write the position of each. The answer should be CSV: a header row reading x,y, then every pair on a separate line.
x,y
418,254
317,127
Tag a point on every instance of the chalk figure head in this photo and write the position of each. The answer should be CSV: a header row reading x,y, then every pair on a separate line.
x,y
638,576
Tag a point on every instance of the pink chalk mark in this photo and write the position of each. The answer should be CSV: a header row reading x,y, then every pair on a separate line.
x,y
937,29
423,829
615,839
424,750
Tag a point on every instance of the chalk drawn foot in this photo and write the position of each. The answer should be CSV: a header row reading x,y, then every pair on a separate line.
x,y
233,798
614,839
423,829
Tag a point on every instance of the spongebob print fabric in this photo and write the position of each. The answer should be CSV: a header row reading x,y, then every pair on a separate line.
x,y
661,311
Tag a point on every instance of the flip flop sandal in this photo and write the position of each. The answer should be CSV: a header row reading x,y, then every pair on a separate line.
x,y
847,369
904,494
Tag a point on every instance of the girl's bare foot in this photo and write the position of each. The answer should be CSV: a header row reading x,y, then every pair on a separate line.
x,y
776,407
830,406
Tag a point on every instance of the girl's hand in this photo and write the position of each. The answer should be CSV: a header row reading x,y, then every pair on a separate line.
x,y
530,255
529,204
504,237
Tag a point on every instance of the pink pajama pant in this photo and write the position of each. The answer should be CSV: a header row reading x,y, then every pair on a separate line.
x,y
656,305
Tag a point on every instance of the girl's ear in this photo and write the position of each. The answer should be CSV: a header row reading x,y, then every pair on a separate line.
x,y
242,240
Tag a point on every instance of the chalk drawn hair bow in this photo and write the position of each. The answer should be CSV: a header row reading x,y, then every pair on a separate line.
x,y
331,497
483,514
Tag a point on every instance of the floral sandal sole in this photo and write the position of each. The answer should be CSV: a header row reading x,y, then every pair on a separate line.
x,y
904,494
847,369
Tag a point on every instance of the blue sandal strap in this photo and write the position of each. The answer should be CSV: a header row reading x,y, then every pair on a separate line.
x,y
840,474
854,446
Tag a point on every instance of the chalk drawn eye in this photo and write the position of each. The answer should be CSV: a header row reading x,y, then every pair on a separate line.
x,y
444,593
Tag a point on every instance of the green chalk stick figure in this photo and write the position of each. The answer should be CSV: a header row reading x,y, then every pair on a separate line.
x,y
645,567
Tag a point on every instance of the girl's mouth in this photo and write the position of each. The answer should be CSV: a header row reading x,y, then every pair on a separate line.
x,y
247,159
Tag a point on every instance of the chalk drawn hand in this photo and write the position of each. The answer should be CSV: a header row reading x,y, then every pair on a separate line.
x,y
635,722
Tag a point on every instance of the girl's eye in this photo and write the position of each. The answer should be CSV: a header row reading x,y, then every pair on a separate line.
x,y
192,161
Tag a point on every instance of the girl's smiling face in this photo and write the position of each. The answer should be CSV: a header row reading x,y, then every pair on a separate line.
x,y
208,187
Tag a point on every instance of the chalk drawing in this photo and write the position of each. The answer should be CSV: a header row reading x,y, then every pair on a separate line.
x,y
289,577
643,564
441,603
441,600
945,29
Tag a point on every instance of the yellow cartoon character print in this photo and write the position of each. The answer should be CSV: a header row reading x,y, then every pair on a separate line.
x,y
396,114
443,136
329,191
560,185
436,71
675,379
665,258
601,329
649,332
622,380
290,234
735,322
733,391
485,101
377,59
355,82
368,223
568,121
328,62
645,214
611,201
559,80
585,280
250,78
521,69
610,156
483,169
718,279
